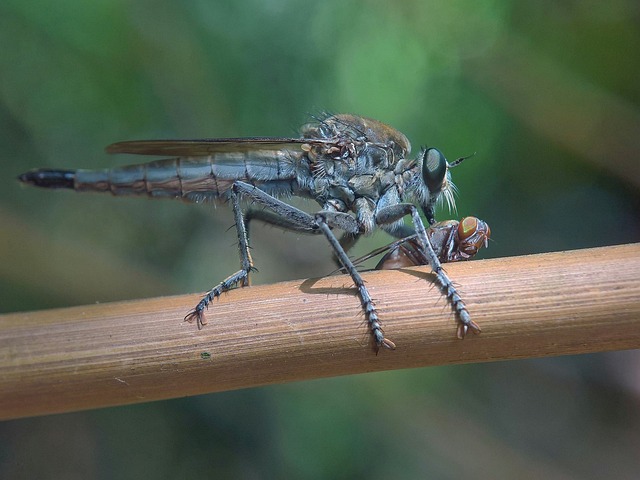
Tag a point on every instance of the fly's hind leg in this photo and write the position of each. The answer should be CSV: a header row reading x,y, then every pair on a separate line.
x,y
392,213
281,214
242,275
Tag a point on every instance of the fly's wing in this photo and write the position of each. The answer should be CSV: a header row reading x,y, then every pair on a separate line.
x,y
205,169
404,250
194,170
207,146
385,249
407,254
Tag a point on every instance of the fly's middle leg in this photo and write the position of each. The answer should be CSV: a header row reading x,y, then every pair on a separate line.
x,y
392,213
289,217
346,222
242,275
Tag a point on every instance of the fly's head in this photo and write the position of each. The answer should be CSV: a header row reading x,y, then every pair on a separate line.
x,y
436,178
471,235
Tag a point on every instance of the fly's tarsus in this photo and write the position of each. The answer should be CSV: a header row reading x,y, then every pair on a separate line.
x,y
465,322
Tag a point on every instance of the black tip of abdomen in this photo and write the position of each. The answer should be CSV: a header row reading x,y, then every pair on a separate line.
x,y
49,178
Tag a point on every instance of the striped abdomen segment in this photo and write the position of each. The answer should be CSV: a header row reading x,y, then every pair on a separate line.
x,y
189,178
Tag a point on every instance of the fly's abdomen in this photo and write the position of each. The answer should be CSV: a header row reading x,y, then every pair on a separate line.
x,y
192,179
172,178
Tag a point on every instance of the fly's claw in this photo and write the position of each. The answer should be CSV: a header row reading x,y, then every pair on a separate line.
x,y
463,328
198,315
388,344
381,340
464,319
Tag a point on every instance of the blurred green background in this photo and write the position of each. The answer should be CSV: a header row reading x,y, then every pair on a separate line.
x,y
547,94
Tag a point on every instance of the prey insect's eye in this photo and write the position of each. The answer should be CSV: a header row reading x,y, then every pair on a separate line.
x,y
473,234
434,169
467,227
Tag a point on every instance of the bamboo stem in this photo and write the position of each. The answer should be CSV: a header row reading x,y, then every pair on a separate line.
x,y
120,353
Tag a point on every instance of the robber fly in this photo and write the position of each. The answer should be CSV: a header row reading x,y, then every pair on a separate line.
x,y
357,169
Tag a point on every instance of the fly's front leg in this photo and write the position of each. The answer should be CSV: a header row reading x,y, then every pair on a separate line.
x,y
347,223
242,275
392,213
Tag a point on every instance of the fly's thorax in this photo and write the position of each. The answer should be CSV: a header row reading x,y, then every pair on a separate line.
x,y
351,157
350,178
365,186
346,125
361,143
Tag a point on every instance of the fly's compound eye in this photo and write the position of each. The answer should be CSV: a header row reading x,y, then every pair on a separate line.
x,y
434,169
467,227
468,237
473,234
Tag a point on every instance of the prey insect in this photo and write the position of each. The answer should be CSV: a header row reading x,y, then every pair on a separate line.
x,y
357,170
452,241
